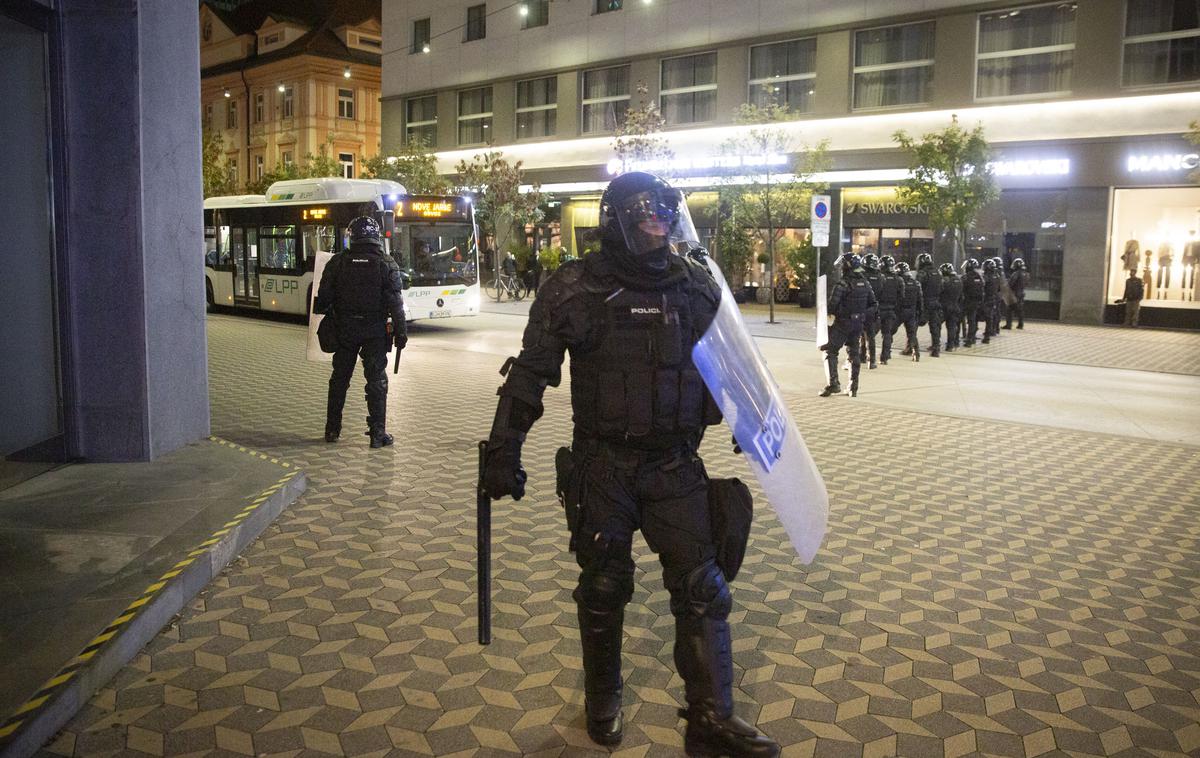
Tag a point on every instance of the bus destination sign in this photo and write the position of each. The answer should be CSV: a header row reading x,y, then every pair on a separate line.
x,y
432,207
315,214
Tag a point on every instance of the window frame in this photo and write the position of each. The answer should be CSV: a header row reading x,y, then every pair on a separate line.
x,y
419,47
750,82
287,102
260,166
584,102
518,109
688,90
1126,41
260,107
1019,53
872,68
231,116
347,165
597,8
408,124
482,115
480,23
349,112
544,5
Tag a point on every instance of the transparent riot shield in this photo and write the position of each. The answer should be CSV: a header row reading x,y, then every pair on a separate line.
x,y
313,351
733,369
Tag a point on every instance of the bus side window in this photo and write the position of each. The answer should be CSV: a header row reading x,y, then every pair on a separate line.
x,y
223,246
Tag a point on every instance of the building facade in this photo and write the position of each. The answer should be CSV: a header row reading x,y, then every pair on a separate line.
x,y
1086,104
280,80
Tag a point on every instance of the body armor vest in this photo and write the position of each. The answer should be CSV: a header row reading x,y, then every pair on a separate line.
x,y
952,289
360,281
638,385
1017,282
889,292
910,293
856,298
991,286
973,286
875,279
931,287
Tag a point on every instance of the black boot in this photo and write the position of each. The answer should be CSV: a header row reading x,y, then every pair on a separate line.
x,y
600,638
333,431
832,388
379,437
853,389
702,655
334,403
377,420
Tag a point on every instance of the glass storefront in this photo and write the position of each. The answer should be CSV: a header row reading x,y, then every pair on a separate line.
x,y
1031,225
1156,235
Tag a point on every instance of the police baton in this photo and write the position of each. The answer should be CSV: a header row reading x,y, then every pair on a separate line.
x,y
483,552
396,363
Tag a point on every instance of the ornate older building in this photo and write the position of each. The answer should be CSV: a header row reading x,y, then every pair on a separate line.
x,y
281,78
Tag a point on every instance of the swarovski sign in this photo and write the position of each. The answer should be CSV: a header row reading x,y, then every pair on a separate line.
x,y
1161,162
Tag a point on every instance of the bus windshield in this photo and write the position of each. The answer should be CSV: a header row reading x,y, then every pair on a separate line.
x,y
438,254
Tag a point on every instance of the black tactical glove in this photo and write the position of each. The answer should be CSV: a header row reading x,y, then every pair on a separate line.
x,y
736,447
400,340
502,471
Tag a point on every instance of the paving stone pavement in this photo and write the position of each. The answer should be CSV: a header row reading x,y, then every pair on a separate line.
x,y
1047,604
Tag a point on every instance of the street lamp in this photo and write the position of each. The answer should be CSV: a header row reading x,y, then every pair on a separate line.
x,y
425,47
524,9
226,93
281,88
346,72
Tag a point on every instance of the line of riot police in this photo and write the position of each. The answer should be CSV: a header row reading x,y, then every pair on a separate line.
x,y
876,295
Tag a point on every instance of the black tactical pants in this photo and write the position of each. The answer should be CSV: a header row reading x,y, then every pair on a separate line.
x,y
1018,308
665,495
934,316
953,327
971,312
908,317
987,311
888,323
994,318
845,332
870,329
374,352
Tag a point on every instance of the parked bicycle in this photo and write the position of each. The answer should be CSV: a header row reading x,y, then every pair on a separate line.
x,y
506,285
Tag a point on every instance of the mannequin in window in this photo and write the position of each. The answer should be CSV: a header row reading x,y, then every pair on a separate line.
x,y
1190,259
1147,277
1130,257
1165,256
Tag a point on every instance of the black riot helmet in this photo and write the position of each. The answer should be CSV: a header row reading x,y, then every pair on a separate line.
x,y
849,263
970,264
902,268
924,260
989,264
886,262
1018,264
871,262
640,213
365,229
946,269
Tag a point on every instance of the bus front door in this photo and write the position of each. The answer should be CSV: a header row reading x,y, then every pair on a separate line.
x,y
244,245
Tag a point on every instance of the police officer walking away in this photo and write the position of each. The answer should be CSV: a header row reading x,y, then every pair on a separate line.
x,y
630,314
1017,282
874,278
889,299
931,296
972,299
952,304
910,310
850,302
991,299
360,289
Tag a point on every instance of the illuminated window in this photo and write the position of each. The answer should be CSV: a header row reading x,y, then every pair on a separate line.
x,y
258,167
347,161
259,103
604,6
420,36
286,102
1025,51
286,157
231,119
538,14
421,120
476,23
1162,42
605,98
475,116
689,89
784,73
345,103
893,65
537,108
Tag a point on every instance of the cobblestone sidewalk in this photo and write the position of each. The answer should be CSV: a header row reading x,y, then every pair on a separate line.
x,y
960,604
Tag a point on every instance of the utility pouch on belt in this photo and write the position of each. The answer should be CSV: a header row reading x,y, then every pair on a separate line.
x,y
731,510
327,334
568,489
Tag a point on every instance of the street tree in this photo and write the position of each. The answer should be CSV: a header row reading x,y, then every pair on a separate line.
x,y
775,181
949,175
639,141
217,173
311,166
500,205
413,165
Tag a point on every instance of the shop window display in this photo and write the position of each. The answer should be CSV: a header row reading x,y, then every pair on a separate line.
x,y
1156,234
1031,225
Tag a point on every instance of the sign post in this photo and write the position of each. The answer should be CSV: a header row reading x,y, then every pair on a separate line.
x,y
819,226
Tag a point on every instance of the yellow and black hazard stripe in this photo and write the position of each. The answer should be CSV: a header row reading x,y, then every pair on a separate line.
x,y
30,707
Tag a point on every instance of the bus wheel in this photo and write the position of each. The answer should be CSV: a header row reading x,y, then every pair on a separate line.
x,y
209,300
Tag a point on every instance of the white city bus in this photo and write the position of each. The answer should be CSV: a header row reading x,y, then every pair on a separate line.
x,y
259,250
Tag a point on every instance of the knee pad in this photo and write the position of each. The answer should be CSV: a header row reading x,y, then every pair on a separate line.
x,y
377,389
602,592
705,593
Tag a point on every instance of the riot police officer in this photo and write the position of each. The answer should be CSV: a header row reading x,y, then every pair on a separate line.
x,y
991,298
910,309
630,314
972,281
1002,285
931,297
889,299
952,304
874,278
851,300
1017,282
360,289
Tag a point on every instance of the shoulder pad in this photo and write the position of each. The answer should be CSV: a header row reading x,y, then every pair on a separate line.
x,y
563,285
702,280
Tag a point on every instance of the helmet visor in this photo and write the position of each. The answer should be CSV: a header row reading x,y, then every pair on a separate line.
x,y
650,220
